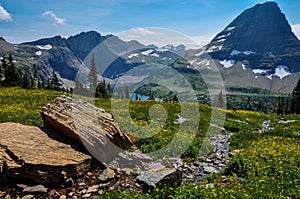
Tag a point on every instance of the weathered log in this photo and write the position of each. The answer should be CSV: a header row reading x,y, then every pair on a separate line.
x,y
88,125
32,153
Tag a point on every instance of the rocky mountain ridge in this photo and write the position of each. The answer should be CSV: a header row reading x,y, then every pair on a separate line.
x,y
257,45
261,38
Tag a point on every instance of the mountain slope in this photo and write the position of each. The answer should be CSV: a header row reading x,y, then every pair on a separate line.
x,y
261,37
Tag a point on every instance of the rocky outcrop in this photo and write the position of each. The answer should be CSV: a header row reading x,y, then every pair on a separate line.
x,y
88,125
33,153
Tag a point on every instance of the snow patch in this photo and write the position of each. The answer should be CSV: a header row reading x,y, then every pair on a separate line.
x,y
213,48
39,53
227,63
221,40
248,52
154,55
200,53
237,52
203,62
193,61
223,36
147,52
260,71
44,47
256,77
133,55
282,71
243,66
269,76
230,28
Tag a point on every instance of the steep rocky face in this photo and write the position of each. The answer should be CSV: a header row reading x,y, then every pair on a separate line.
x,y
261,37
82,44
5,46
111,56
53,41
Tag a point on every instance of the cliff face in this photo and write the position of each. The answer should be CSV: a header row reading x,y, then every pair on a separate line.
x,y
261,37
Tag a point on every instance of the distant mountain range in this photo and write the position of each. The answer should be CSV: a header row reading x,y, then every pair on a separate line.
x,y
257,49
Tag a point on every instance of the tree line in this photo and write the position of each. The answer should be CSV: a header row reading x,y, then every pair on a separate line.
x,y
10,76
30,79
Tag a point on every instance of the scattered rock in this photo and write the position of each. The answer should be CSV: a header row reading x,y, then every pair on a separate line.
x,y
28,196
210,169
86,124
234,152
88,195
158,178
31,154
93,189
35,189
63,197
284,121
109,173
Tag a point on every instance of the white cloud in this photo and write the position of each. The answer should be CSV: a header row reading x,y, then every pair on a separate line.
x,y
4,15
56,19
296,29
146,31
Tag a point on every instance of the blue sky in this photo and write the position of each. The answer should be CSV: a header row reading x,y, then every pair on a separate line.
x,y
198,19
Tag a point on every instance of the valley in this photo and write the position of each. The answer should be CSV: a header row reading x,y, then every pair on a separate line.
x,y
95,115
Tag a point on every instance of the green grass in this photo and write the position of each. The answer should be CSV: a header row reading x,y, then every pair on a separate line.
x,y
24,106
268,165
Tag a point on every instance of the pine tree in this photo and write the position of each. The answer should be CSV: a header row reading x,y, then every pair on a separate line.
x,y
127,93
103,89
12,77
280,106
220,100
4,66
92,77
151,96
175,98
78,89
55,83
26,81
35,81
295,101
248,104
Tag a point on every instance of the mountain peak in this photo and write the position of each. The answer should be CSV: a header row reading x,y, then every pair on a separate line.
x,y
257,33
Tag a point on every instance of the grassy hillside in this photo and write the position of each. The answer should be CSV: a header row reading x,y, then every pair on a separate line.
x,y
268,165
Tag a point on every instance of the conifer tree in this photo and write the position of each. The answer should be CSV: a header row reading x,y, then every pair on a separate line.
x,y
175,98
55,83
127,93
12,77
220,100
295,101
151,96
92,77
26,81
35,81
